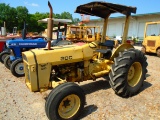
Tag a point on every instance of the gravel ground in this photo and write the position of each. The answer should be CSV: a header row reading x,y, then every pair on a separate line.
x,y
18,103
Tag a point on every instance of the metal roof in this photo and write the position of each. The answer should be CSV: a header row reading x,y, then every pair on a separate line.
x,y
56,21
136,15
102,9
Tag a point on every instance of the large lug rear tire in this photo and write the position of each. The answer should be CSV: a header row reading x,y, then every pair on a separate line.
x,y
3,56
65,102
7,62
128,72
17,68
158,52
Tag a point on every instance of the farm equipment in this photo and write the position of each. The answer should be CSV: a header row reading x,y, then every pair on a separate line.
x,y
60,66
13,60
151,42
57,31
4,51
85,33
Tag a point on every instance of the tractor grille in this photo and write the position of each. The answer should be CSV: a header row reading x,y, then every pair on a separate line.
x,y
151,43
27,73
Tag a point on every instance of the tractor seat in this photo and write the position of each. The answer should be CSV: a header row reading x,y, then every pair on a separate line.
x,y
106,53
108,43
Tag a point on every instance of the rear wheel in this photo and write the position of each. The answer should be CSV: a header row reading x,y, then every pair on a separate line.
x,y
158,52
65,102
7,62
128,72
3,56
17,68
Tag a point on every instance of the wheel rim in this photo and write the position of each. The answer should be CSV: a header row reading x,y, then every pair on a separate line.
x,y
19,69
69,106
134,74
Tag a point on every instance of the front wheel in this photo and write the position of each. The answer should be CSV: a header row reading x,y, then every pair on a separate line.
x,y
17,68
7,62
3,56
143,49
65,102
158,52
128,72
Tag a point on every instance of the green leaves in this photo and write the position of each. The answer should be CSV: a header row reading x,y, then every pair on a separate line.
x,y
14,17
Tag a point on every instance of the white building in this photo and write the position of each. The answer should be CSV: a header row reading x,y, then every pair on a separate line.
x,y
136,27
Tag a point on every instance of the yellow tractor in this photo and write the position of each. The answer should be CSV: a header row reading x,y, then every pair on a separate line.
x,y
83,33
60,67
151,42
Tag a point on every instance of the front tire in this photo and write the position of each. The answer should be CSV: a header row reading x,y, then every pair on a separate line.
x,y
65,102
7,62
158,52
3,56
17,68
128,72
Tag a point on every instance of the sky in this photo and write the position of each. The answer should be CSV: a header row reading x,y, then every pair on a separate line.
x,y
59,6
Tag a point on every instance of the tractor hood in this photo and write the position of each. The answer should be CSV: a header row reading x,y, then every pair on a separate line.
x,y
26,43
59,55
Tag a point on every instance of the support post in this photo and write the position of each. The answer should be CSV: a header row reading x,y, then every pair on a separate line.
x,y
126,27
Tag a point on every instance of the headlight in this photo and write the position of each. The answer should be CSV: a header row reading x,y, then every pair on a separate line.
x,y
11,52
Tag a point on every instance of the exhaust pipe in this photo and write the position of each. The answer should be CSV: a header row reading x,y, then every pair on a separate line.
x,y
50,26
24,31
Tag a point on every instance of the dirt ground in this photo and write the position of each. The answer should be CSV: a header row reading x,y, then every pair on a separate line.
x,y
18,103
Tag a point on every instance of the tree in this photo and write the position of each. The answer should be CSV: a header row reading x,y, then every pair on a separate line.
x,y
15,17
33,25
66,15
76,20
4,12
8,14
22,14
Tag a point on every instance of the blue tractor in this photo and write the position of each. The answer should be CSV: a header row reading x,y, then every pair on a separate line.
x,y
13,61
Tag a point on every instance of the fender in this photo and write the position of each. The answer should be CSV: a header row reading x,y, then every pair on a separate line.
x,y
120,48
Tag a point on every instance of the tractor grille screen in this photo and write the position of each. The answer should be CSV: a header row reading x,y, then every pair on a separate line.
x,y
151,43
27,73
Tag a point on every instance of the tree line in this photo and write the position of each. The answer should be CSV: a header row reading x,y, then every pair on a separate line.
x,y
15,17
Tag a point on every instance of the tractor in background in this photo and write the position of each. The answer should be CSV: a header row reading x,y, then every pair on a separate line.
x,y
13,58
85,33
57,31
151,42
59,67
74,33
4,51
